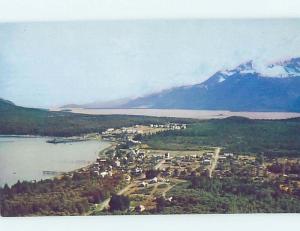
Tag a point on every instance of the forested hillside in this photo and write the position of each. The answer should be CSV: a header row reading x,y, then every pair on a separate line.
x,y
19,120
235,134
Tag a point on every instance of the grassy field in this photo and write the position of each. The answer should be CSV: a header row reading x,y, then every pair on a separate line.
x,y
175,153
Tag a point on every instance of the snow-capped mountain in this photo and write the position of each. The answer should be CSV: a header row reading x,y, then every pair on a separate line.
x,y
248,87
283,69
288,68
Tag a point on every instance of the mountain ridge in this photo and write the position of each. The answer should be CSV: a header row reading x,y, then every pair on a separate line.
x,y
241,89
248,87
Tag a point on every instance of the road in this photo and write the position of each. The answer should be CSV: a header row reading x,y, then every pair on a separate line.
x,y
214,161
104,204
159,164
176,181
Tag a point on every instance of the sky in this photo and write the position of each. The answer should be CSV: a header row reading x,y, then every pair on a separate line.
x,y
48,64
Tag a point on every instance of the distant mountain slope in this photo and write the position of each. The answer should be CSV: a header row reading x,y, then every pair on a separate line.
x,y
6,104
276,88
99,104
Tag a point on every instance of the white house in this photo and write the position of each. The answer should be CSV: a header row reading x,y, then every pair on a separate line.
x,y
117,163
140,208
154,180
103,174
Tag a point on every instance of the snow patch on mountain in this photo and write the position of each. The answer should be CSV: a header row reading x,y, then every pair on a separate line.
x,y
283,69
286,68
244,68
221,79
228,72
274,71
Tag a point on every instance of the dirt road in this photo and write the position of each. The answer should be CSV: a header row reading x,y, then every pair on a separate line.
x,y
214,161
159,164
105,203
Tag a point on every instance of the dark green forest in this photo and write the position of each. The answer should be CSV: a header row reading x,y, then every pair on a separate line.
x,y
234,134
65,196
229,195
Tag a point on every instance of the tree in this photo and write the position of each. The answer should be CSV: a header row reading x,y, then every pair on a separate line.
x,y
160,204
151,173
260,158
138,137
119,203
176,172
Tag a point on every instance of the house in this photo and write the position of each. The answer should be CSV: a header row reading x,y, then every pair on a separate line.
x,y
140,208
134,141
167,155
110,173
101,160
285,188
127,177
103,174
209,154
206,161
153,180
228,154
137,171
96,165
222,159
117,163
169,199
143,184
141,155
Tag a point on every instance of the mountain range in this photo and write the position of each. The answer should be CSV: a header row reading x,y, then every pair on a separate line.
x,y
275,87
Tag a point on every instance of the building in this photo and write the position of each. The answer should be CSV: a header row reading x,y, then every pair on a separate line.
x,y
228,154
127,177
153,180
206,161
110,173
140,208
103,174
117,163
209,154
143,184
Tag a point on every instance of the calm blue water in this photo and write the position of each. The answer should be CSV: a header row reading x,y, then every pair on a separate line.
x,y
25,158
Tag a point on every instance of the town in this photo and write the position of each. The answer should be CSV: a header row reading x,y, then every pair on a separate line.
x,y
150,174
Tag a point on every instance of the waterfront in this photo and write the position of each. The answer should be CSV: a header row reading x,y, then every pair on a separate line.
x,y
180,113
25,158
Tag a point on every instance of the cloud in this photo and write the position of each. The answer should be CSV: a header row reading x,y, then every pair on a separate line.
x,y
46,64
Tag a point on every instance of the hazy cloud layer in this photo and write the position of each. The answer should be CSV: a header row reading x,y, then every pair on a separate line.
x,y
48,64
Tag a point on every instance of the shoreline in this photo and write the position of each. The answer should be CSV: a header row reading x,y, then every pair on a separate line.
x,y
183,113
100,152
62,173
